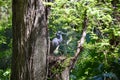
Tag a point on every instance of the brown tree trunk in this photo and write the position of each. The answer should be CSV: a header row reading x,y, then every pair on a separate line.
x,y
29,40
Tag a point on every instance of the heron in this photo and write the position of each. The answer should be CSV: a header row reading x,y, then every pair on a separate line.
x,y
56,42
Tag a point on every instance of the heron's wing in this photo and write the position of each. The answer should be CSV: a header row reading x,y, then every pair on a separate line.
x,y
53,45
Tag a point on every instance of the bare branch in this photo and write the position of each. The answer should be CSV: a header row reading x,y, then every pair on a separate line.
x,y
80,42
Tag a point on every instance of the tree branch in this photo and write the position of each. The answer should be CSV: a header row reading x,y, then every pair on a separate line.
x,y
80,42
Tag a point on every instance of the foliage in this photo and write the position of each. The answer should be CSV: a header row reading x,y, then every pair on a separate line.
x,y
100,58
4,75
5,38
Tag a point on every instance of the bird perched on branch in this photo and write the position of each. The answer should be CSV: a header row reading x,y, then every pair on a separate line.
x,y
56,41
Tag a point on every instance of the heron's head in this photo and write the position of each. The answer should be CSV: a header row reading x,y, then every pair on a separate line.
x,y
58,34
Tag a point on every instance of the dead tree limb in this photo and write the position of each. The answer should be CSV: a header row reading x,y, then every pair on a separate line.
x,y
80,42
65,73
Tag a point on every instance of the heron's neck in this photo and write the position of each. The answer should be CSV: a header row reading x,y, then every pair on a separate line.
x,y
60,38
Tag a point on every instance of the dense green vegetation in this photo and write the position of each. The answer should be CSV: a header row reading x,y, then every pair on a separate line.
x,y
100,58
5,38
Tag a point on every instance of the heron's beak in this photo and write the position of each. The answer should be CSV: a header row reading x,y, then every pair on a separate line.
x,y
63,33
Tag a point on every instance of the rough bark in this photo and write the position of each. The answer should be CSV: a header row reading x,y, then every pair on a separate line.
x,y
29,40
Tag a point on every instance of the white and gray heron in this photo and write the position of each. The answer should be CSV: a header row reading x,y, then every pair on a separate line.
x,y
56,42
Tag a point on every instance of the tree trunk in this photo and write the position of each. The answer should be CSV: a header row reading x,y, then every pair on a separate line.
x,y
30,42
